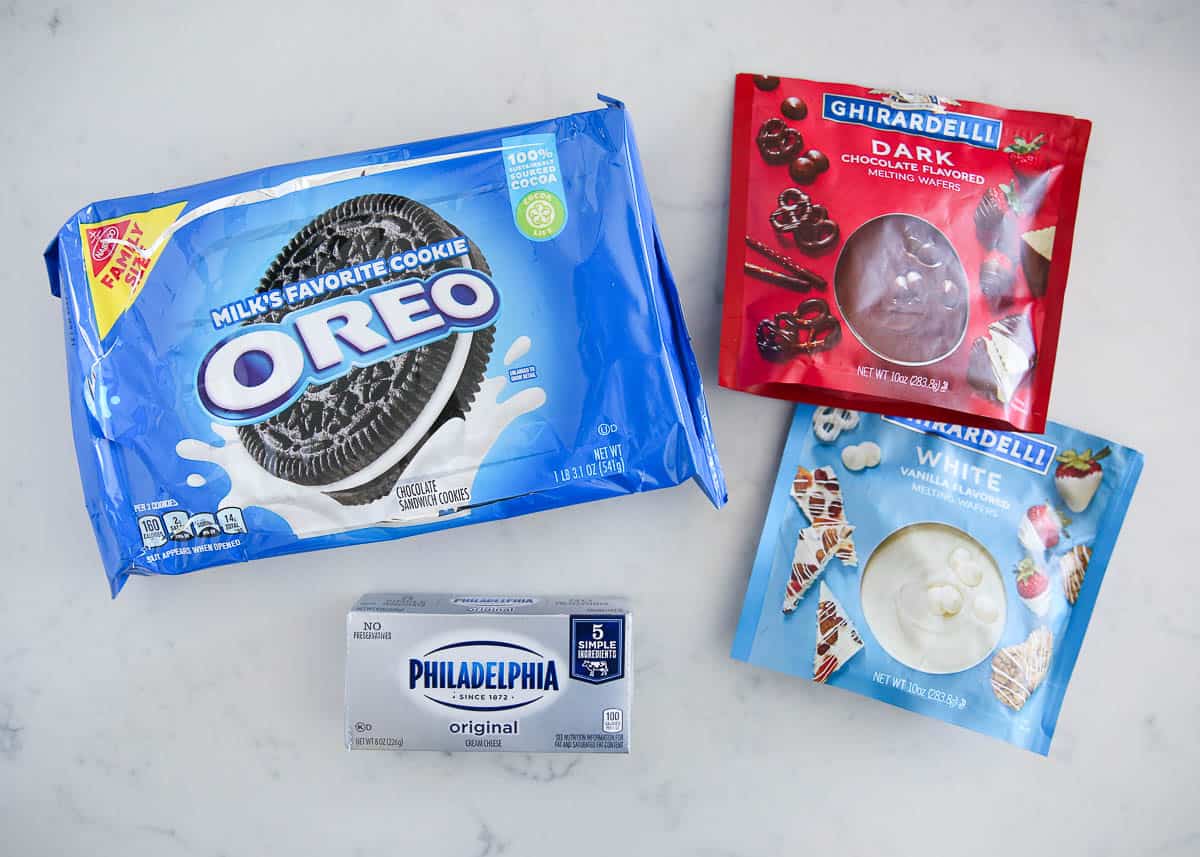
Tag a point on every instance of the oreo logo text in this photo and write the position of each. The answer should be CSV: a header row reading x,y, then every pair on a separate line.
x,y
263,368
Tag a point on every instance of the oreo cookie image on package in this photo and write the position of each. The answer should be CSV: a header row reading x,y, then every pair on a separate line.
x,y
354,436
376,345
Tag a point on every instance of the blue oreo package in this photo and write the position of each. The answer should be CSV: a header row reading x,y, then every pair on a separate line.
x,y
948,570
376,345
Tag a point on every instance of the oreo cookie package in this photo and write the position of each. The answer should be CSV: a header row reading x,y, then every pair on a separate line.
x,y
376,345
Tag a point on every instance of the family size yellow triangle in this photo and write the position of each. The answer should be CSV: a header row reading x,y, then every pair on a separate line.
x,y
119,254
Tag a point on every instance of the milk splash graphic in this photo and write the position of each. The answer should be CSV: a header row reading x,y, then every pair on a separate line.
x,y
452,456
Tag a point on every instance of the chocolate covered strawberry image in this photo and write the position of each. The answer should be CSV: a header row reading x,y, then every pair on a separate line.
x,y
997,275
996,216
1078,476
1025,158
1041,528
1033,585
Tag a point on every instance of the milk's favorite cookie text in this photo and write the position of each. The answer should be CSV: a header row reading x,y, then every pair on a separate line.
x,y
263,368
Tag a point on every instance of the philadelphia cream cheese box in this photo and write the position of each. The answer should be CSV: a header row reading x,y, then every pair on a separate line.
x,y
485,673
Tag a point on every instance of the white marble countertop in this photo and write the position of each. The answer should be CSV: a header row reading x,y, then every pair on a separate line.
x,y
203,715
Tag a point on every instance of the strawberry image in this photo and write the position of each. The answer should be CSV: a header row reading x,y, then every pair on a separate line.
x,y
996,215
1041,528
1025,158
1033,586
1078,476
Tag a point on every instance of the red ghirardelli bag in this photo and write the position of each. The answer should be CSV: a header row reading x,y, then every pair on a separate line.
x,y
897,252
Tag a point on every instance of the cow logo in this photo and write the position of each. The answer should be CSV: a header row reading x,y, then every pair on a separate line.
x,y
595,669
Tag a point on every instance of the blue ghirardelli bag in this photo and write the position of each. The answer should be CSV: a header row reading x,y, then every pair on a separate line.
x,y
376,345
948,570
